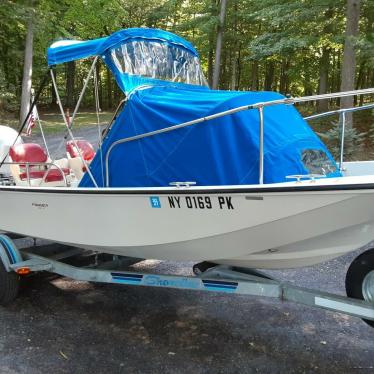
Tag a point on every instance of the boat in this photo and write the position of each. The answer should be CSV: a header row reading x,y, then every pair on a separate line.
x,y
184,172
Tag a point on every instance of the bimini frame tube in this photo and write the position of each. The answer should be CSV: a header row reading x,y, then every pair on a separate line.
x,y
82,92
37,119
288,100
68,127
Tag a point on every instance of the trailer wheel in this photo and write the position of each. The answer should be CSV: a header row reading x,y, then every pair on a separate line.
x,y
359,281
9,285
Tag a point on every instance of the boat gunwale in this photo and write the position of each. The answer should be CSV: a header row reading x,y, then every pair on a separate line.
x,y
192,190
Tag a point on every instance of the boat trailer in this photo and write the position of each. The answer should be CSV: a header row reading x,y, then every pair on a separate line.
x,y
95,267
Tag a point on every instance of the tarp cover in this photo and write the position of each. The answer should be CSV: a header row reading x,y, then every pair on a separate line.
x,y
224,151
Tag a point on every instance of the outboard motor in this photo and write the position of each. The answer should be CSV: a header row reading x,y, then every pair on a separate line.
x,y
7,138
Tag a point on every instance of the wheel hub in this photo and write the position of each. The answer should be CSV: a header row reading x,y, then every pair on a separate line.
x,y
368,287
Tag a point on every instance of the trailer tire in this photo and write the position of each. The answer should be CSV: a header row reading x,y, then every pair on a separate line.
x,y
9,285
356,274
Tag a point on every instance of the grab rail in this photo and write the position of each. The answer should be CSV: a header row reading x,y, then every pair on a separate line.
x,y
338,111
259,106
28,164
342,120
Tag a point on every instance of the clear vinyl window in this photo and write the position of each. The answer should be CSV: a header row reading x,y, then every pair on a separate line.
x,y
316,161
158,60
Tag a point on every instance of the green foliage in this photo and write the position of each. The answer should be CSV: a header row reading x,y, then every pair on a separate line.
x,y
353,141
268,44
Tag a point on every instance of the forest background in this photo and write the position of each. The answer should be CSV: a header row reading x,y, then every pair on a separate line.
x,y
294,47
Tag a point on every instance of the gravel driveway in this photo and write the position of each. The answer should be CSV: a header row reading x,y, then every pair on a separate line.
x,y
64,326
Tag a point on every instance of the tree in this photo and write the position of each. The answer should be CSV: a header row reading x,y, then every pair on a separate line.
x,y
27,71
324,65
217,63
70,77
349,56
282,45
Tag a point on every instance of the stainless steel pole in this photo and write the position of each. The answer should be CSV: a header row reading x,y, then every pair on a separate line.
x,y
261,145
342,121
69,130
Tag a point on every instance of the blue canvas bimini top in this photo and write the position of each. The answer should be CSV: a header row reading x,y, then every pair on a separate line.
x,y
71,50
136,57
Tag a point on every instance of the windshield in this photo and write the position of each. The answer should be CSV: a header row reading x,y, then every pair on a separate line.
x,y
316,161
158,60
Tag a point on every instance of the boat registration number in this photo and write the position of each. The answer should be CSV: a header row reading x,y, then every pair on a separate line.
x,y
195,202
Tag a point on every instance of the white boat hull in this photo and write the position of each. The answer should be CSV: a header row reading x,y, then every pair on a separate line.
x,y
275,226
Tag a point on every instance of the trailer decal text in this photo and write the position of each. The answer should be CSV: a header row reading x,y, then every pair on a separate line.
x,y
160,281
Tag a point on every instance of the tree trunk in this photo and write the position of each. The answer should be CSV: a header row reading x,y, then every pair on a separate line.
x,y
217,63
360,77
70,78
117,94
322,105
210,62
109,88
269,76
100,86
324,63
233,71
239,69
360,80
349,56
337,79
234,62
254,84
53,92
283,81
308,90
27,72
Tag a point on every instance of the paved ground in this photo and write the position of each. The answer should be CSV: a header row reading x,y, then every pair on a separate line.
x,y
62,326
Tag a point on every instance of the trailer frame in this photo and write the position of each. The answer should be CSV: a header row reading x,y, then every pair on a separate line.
x,y
216,278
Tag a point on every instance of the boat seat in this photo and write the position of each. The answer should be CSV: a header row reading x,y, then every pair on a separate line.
x,y
86,149
32,152
75,162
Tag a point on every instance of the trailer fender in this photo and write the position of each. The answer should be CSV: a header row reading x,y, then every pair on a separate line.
x,y
9,254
